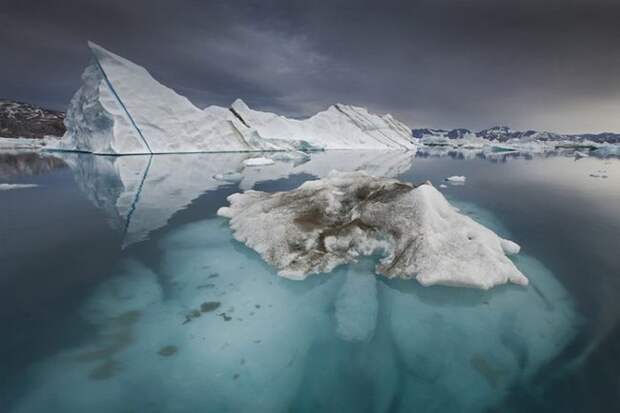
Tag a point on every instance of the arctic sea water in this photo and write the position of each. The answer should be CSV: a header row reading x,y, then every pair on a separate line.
x,y
122,291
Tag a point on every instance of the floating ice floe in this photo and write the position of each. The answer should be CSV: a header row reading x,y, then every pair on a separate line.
x,y
8,187
456,179
121,109
258,162
607,150
443,185
228,177
333,221
579,155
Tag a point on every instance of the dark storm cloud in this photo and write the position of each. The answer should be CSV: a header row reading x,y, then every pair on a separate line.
x,y
530,64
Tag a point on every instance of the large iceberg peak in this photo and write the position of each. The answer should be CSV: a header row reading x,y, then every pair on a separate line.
x,y
121,109
333,221
239,104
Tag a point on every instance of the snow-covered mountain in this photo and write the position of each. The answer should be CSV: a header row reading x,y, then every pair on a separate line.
x,y
23,120
505,134
121,109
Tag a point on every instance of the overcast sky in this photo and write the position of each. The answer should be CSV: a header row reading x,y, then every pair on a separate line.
x,y
528,64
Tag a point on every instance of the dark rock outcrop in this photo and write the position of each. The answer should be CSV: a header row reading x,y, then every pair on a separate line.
x,y
23,120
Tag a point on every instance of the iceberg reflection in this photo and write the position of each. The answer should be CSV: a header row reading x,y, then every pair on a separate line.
x,y
140,193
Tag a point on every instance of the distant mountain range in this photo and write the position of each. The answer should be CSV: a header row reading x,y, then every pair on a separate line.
x,y
504,133
23,120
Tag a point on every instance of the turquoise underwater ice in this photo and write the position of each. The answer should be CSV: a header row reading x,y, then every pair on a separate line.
x,y
211,327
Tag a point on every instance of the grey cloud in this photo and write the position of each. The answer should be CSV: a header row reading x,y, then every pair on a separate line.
x,y
529,64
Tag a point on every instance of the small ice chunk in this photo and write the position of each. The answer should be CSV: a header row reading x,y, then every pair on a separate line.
x,y
228,177
579,155
258,161
8,187
456,178
443,185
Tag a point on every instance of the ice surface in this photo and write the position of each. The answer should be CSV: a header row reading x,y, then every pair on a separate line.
x,y
326,223
338,127
458,179
471,147
608,150
277,345
121,109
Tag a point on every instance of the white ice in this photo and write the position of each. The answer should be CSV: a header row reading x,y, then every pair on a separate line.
x,y
8,187
456,178
258,162
121,109
338,127
332,221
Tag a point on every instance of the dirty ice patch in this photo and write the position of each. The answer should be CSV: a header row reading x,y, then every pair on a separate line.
x,y
333,221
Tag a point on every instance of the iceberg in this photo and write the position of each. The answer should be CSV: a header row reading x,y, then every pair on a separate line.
x,y
333,221
338,127
121,109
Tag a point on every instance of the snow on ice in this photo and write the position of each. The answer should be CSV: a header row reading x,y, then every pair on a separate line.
x,y
332,221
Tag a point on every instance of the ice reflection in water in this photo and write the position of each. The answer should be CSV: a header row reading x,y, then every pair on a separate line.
x,y
140,193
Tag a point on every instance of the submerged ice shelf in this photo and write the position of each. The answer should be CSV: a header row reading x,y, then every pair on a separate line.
x,y
121,109
333,221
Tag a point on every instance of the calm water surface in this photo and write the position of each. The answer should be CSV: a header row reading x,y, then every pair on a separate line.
x,y
122,291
